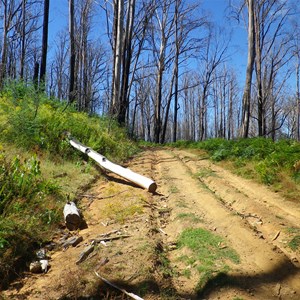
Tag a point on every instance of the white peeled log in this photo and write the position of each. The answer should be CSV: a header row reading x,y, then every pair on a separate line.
x,y
72,216
138,179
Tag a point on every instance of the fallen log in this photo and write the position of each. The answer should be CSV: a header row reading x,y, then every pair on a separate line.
x,y
138,179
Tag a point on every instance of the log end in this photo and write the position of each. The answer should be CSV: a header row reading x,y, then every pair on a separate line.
x,y
152,187
73,221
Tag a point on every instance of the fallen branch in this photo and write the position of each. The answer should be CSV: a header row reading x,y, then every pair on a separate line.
x,y
109,233
138,179
85,253
99,198
133,296
276,236
102,198
112,238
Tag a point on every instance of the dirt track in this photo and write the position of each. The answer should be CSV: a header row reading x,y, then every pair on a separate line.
x,y
254,221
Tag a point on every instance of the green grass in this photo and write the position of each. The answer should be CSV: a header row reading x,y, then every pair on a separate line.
x,y
181,203
173,189
205,172
293,230
189,217
294,244
207,253
120,212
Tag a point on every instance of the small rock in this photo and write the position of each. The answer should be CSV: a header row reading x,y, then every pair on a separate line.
x,y
50,246
41,254
222,245
295,260
277,289
261,236
172,247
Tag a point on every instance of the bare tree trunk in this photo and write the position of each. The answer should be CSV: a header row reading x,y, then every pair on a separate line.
x,y
273,120
258,69
176,73
35,78
4,44
230,112
202,114
127,55
249,72
72,91
23,39
166,118
44,44
118,58
298,98
157,115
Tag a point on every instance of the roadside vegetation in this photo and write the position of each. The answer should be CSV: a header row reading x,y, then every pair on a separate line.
x,y
40,171
276,164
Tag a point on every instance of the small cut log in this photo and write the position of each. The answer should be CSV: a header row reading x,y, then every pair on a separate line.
x,y
138,179
72,216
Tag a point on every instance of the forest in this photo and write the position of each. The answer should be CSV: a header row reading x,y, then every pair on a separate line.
x,y
164,69
217,82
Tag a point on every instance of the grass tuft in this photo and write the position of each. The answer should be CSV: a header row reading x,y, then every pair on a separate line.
x,y
209,254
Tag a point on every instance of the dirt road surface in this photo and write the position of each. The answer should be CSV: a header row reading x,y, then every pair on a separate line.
x,y
143,257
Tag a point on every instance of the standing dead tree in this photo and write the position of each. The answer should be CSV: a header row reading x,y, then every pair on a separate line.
x,y
72,89
249,71
44,44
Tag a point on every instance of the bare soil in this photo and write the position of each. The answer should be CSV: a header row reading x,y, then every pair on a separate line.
x,y
256,222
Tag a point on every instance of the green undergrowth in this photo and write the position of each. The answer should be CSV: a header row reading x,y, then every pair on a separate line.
x,y
32,121
40,170
208,254
273,163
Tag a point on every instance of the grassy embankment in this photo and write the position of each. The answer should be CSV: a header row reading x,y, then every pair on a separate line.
x,y
40,171
276,164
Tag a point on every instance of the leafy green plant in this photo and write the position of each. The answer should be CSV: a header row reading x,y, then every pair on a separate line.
x,y
21,180
268,175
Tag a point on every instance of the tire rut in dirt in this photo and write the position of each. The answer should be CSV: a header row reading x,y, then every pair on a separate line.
x,y
268,219
160,217
263,266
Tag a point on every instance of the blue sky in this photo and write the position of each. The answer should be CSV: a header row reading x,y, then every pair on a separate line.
x,y
217,10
